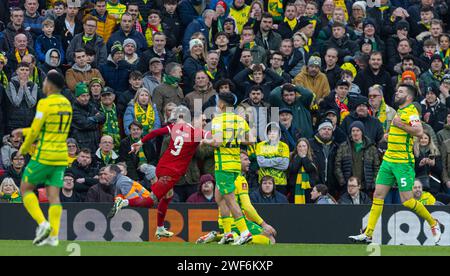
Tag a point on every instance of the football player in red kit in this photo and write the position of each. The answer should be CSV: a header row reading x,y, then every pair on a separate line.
x,y
174,163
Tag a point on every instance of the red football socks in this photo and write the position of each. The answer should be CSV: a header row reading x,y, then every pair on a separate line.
x,y
162,210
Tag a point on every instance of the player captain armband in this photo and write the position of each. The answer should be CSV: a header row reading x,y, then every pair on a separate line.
x,y
39,115
414,120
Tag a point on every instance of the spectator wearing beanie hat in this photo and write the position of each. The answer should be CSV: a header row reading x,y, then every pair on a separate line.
x,y
434,75
313,79
130,47
359,157
193,63
370,32
116,70
324,148
205,192
95,89
434,112
86,120
373,127
402,31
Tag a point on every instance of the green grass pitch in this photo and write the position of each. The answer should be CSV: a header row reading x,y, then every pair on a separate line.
x,y
24,248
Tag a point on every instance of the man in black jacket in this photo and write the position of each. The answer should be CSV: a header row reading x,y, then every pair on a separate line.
x,y
171,24
373,127
135,160
325,149
376,74
340,41
434,112
86,120
84,172
285,28
158,50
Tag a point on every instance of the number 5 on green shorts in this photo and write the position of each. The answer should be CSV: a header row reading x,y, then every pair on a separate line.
x,y
402,174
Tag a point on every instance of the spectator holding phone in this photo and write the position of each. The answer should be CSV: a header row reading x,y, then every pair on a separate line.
x,y
428,164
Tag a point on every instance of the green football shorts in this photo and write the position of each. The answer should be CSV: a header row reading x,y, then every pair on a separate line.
x,y
36,173
225,182
402,174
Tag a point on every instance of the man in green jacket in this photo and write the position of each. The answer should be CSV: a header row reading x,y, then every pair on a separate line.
x,y
299,100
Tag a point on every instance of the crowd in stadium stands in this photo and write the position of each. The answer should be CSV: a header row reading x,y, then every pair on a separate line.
x,y
332,68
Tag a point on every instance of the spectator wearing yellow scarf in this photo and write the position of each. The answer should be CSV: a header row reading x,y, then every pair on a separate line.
x,y
142,110
302,171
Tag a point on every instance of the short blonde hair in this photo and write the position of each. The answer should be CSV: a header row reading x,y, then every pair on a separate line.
x,y
9,181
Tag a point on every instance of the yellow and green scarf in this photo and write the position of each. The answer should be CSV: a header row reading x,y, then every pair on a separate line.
x,y
211,74
275,8
111,126
171,80
150,31
301,185
35,77
18,57
106,158
381,115
145,117
141,154
250,45
445,57
292,23
4,79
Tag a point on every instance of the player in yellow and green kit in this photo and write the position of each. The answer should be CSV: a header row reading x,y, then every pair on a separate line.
x,y
398,165
262,232
50,129
229,131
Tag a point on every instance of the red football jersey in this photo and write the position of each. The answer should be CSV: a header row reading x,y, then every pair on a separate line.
x,y
183,145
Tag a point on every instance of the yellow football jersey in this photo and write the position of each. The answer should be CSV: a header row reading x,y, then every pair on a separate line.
x,y
232,129
50,128
400,143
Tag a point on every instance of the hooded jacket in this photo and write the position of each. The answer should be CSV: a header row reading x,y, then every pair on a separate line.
x,y
47,65
6,151
190,67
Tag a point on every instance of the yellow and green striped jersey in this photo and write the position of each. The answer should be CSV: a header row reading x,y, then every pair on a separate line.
x,y
400,143
231,129
118,9
427,199
240,16
266,150
50,129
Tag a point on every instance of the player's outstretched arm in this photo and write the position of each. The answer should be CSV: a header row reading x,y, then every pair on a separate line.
x,y
155,133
